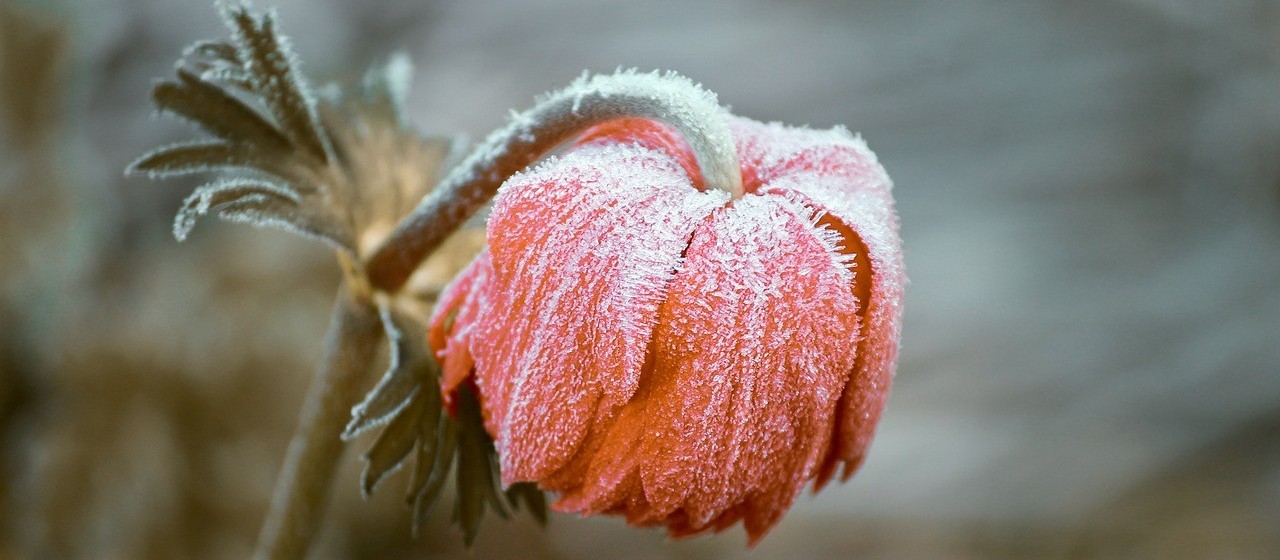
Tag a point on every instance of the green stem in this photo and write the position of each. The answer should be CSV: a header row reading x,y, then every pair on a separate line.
x,y
302,489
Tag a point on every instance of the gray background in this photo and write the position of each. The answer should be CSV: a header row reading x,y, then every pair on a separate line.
x,y
1091,217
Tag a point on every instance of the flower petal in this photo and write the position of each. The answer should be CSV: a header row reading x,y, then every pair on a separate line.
x,y
767,151
869,213
650,134
750,354
583,248
453,323
836,175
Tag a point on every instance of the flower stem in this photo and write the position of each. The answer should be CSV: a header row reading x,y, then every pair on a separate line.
x,y
302,490
554,119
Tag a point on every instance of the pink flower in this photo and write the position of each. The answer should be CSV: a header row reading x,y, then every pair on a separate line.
x,y
652,349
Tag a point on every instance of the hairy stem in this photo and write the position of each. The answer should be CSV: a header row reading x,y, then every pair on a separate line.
x,y
554,119
302,489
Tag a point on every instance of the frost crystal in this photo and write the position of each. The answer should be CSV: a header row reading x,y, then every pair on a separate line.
x,y
648,345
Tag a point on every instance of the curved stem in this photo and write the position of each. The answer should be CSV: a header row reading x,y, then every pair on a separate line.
x,y
556,118
302,489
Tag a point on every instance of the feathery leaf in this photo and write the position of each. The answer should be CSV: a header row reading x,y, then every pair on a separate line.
x,y
267,212
212,50
216,111
223,192
534,500
428,452
476,484
272,66
204,156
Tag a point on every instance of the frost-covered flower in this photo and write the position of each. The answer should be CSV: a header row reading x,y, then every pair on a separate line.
x,y
651,348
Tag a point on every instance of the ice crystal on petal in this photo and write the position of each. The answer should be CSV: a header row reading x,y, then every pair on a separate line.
x,y
648,347
581,268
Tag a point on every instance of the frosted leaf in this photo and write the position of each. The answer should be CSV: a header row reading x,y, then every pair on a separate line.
x,y
428,494
216,111
206,156
386,88
527,495
270,62
391,448
262,211
357,166
230,76
409,369
219,51
225,192
476,481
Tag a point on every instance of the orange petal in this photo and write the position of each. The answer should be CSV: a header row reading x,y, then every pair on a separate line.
x,y
583,249
751,352
453,322
613,476
863,211
654,135
835,173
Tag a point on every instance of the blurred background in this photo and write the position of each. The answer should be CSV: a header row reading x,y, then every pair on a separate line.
x,y
1090,200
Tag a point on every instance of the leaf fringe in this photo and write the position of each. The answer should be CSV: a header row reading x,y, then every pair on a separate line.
x,y
272,67
224,192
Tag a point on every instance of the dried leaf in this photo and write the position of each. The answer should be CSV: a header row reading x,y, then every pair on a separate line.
x,y
198,157
428,444
231,76
428,451
386,89
359,167
476,483
212,50
267,212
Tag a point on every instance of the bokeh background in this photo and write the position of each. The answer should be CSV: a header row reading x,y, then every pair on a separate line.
x,y
1090,200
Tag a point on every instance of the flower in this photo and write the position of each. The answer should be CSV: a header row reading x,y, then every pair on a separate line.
x,y
647,347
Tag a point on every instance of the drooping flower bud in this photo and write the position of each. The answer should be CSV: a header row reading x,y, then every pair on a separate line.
x,y
649,347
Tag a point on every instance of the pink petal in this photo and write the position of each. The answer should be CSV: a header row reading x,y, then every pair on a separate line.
x,y
612,476
453,322
583,249
654,135
869,212
835,173
769,151
751,350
